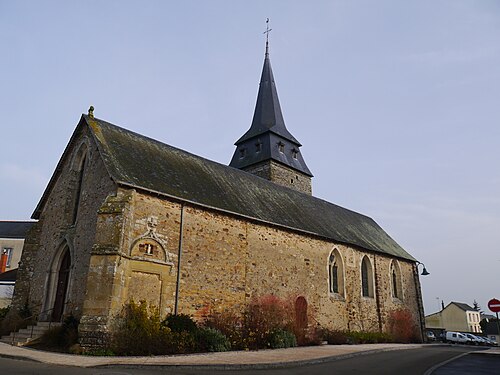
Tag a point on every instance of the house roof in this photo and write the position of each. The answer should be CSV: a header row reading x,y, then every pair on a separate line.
x,y
136,161
9,275
462,306
15,229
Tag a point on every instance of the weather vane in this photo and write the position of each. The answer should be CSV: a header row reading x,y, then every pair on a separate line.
x,y
268,30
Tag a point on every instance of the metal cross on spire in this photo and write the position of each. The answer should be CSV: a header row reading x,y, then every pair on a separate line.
x,y
268,30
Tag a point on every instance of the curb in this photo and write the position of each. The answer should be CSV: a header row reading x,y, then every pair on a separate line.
x,y
256,366
224,366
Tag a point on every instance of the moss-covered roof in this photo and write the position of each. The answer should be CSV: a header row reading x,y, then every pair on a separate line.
x,y
141,162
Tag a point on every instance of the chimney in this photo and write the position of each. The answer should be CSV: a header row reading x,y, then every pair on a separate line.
x,y
3,261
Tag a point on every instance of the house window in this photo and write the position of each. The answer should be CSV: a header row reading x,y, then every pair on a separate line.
x,y
335,273
366,278
8,251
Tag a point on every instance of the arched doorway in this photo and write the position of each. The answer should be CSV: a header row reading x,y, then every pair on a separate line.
x,y
301,321
61,286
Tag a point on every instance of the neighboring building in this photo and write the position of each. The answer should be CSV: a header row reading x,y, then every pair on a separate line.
x,y
455,316
7,282
491,330
12,234
125,216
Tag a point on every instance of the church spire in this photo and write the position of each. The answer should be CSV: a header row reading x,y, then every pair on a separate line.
x,y
268,145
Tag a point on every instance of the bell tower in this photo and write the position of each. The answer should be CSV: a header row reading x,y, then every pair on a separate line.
x,y
267,149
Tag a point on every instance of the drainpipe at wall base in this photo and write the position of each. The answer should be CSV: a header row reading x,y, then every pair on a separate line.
x,y
179,255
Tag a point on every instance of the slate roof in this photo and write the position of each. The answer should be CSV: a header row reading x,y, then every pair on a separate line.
x,y
140,162
9,276
463,306
268,129
15,229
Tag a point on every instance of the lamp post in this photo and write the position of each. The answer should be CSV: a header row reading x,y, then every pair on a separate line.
x,y
424,270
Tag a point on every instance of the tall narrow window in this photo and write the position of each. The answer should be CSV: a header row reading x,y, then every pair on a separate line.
x,y
395,274
366,278
335,273
395,284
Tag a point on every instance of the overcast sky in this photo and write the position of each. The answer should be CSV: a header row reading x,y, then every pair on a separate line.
x,y
396,104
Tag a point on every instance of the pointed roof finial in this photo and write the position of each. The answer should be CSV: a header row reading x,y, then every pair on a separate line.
x,y
268,30
91,111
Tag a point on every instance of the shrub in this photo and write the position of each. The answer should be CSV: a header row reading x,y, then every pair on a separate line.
x,y
262,316
230,325
368,337
402,326
137,330
11,320
335,337
60,338
212,340
176,343
3,312
180,323
281,338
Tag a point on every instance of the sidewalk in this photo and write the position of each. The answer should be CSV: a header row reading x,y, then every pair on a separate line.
x,y
234,359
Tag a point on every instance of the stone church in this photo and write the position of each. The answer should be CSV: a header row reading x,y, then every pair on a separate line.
x,y
128,217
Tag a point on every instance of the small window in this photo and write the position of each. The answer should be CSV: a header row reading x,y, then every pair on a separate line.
x,y
242,153
281,147
148,249
8,251
295,153
258,147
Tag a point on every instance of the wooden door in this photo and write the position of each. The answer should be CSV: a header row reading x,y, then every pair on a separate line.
x,y
62,287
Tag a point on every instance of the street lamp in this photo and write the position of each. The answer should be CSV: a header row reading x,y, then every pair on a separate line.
x,y
424,271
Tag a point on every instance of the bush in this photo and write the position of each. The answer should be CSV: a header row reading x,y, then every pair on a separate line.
x,y
3,312
137,330
280,338
402,326
59,338
180,323
230,325
335,337
212,340
368,337
264,315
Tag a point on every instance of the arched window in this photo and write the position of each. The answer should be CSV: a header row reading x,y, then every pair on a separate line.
x,y
366,277
396,284
335,273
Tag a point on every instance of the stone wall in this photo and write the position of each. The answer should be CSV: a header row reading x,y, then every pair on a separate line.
x,y
226,261
55,230
282,175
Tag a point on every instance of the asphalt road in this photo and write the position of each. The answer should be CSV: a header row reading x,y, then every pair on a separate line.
x,y
407,362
